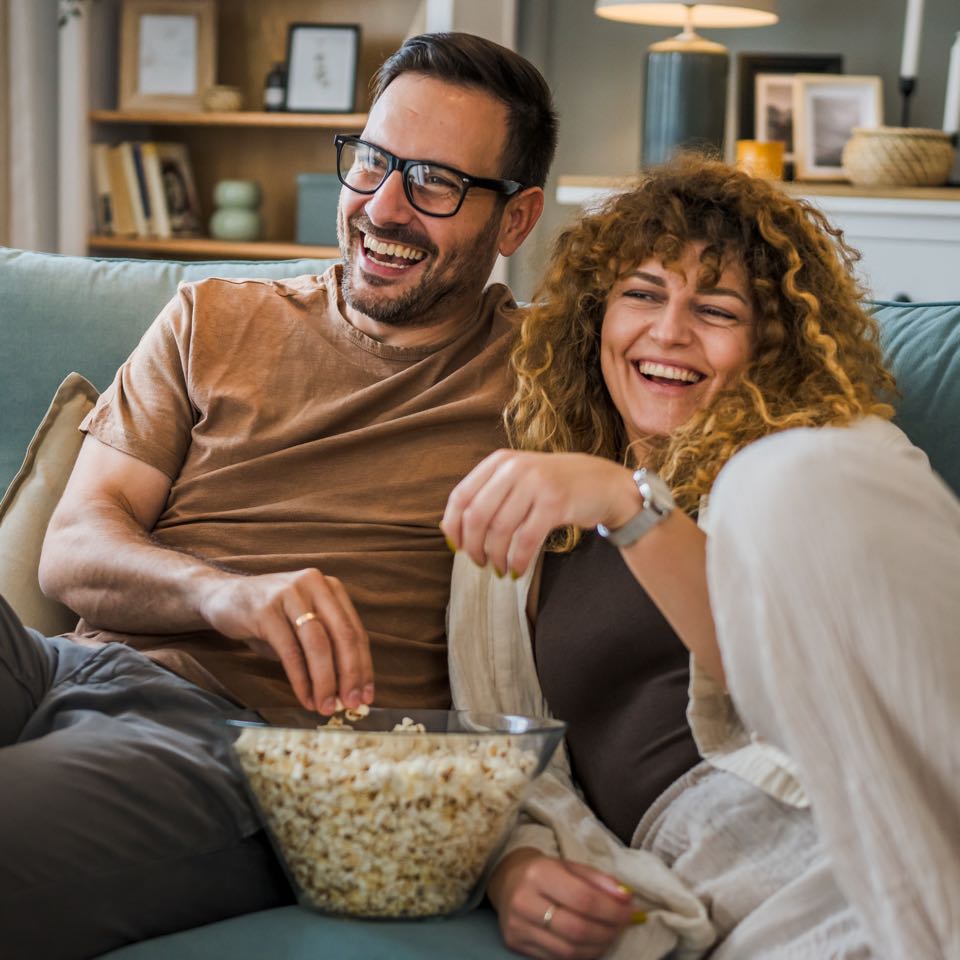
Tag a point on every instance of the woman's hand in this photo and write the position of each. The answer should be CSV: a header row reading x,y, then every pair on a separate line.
x,y
555,909
504,508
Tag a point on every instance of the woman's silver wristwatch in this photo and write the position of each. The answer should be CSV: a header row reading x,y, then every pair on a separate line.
x,y
658,504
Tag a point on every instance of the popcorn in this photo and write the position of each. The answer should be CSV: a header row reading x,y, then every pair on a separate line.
x,y
374,824
353,715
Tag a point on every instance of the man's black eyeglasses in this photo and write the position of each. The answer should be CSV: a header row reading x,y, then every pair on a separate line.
x,y
432,189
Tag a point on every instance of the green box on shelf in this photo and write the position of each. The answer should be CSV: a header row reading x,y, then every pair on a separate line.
x,y
317,195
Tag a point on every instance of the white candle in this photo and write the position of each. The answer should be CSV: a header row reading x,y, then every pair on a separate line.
x,y
951,106
911,38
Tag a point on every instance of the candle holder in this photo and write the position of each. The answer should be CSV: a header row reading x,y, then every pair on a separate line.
x,y
906,87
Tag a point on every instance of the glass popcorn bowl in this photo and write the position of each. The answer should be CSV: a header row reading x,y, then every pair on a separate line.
x,y
398,814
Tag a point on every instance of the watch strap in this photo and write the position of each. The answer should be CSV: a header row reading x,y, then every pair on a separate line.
x,y
656,508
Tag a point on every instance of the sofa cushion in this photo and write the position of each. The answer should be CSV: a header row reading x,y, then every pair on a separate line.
x,y
922,345
59,314
292,933
26,507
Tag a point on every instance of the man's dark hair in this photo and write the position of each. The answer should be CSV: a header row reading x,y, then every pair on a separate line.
x,y
471,61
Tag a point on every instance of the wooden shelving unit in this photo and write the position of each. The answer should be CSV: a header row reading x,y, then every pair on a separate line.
x,y
189,247
271,148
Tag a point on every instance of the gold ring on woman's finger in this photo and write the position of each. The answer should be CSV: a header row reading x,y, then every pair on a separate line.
x,y
548,916
304,618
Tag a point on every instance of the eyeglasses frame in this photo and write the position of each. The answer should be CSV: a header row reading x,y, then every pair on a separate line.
x,y
507,188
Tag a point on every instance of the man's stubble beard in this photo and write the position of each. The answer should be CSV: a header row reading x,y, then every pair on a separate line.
x,y
466,270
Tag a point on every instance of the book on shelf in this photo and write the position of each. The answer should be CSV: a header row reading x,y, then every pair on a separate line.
x,y
121,205
179,190
136,188
100,182
144,189
150,160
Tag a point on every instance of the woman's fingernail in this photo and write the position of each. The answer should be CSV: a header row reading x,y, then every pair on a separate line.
x,y
638,918
368,694
514,574
624,889
498,572
451,546
329,705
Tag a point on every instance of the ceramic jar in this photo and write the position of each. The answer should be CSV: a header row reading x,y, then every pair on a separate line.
x,y
236,215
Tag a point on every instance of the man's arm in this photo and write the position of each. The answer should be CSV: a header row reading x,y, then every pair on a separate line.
x,y
100,560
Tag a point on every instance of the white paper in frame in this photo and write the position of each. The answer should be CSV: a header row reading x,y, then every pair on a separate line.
x,y
322,67
826,108
167,54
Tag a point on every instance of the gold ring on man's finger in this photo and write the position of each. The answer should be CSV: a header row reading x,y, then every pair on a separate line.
x,y
304,618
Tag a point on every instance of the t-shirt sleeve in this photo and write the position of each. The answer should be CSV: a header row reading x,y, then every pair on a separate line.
x,y
147,411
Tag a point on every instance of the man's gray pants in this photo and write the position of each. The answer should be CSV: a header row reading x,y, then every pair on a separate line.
x,y
122,813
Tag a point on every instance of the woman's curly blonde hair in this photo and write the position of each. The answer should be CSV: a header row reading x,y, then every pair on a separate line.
x,y
815,357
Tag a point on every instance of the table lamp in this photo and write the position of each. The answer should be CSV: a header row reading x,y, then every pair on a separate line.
x,y
685,101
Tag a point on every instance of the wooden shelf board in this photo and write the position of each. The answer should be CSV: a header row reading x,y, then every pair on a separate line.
x,y
239,118
216,249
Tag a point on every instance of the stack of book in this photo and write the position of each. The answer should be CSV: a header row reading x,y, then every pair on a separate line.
x,y
143,189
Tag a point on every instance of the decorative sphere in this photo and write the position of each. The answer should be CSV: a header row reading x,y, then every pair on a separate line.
x,y
237,193
236,223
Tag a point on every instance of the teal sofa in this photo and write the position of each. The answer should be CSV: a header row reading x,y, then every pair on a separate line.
x,y
63,314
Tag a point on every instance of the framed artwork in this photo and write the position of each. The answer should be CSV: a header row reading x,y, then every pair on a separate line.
x,y
322,67
167,53
826,108
773,110
765,94
179,192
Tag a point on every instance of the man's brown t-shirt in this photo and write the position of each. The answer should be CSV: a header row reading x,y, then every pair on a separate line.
x,y
293,440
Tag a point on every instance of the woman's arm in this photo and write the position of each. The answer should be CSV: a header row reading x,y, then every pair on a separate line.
x,y
508,504
670,561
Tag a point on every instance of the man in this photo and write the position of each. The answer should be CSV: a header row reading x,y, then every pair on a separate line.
x,y
254,516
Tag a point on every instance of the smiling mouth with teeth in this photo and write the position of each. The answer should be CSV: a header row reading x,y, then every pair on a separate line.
x,y
668,374
391,254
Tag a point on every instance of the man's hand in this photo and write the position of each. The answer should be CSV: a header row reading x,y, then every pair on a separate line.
x,y
556,909
307,621
99,559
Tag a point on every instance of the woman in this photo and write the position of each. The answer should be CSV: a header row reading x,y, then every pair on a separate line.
x,y
684,321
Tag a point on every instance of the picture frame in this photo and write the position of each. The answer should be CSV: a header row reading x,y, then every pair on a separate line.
x,y
773,110
176,182
826,108
322,60
765,94
167,54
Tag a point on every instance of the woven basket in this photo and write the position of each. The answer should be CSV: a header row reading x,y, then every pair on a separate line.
x,y
898,157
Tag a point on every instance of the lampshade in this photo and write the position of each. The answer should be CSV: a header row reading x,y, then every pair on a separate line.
x,y
685,97
732,13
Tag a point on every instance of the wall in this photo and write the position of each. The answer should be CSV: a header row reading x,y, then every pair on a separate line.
x,y
31,38
595,68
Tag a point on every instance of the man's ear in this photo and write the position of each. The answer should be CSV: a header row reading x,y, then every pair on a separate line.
x,y
521,214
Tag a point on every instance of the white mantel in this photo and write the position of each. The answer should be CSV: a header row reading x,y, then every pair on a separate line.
x,y
909,236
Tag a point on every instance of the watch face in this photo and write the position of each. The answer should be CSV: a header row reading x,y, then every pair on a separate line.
x,y
655,492
657,506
